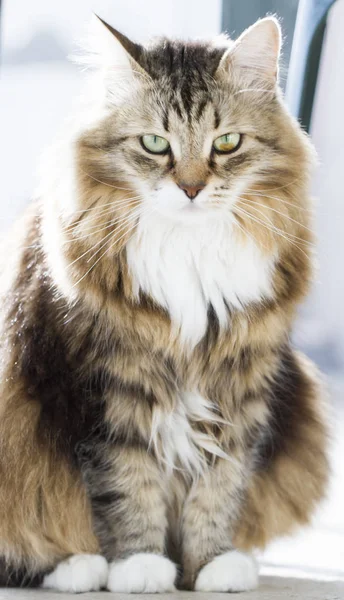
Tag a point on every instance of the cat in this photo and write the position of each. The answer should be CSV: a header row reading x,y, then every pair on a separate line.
x,y
156,424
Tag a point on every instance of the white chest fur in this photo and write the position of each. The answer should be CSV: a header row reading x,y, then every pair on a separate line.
x,y
187,267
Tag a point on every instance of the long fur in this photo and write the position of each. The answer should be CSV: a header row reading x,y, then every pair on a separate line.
x,y
150,400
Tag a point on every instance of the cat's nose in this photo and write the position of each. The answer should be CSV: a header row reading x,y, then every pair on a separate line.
x,y
192,190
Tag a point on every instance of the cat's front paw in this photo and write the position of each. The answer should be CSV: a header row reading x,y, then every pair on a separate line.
x,y
79,573
142,573
230,572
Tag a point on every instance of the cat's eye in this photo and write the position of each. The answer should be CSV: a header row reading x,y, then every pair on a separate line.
x,y
227,143
155,144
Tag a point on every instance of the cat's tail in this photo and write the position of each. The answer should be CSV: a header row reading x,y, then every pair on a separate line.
x,y
285,491
13,576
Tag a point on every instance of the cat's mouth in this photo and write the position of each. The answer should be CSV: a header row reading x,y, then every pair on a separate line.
x,y
199,207
170,201
193,207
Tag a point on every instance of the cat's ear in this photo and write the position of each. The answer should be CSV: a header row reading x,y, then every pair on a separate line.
x,y
119,50
118,58
256,52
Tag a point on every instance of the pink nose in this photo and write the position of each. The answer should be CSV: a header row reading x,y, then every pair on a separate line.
x,y
192,190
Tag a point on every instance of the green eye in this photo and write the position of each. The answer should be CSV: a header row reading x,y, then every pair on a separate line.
x,y
155,144
227,143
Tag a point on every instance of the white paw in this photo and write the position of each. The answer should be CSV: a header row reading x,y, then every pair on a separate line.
x,y
230,572
79,573
142,573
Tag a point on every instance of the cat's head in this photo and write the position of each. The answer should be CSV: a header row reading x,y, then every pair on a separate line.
x,y
193,131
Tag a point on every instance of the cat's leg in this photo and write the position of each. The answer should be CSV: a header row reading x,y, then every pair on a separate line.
x,y
128,497
210,561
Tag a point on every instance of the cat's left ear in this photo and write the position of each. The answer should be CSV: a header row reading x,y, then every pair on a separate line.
x,y
256,52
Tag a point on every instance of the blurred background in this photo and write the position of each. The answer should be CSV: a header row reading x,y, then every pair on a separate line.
x,y
38,87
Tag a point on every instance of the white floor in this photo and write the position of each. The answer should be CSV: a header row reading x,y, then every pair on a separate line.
x,y
270,589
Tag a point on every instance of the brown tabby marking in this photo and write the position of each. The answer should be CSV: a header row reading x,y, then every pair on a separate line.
x,y
92,376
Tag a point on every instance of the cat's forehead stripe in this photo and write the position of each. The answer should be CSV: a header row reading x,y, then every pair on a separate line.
x,y
201,107
180,60
186,70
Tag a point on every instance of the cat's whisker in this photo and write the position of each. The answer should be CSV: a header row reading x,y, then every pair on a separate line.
x,y
291,235
267,223
112,209
101,206
124,201
264,216
236,223
90,249
100,214
293,205
116,187
246,202
284,215
108,250
281,187
90,219
93,247
132,217
95,229
140,216
272,230
107,238
123,221
247,233
250,217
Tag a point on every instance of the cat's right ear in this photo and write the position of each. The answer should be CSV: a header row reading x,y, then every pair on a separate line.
x,y
114,55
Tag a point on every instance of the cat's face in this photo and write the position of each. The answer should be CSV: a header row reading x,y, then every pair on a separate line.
x,y
191,128
191,156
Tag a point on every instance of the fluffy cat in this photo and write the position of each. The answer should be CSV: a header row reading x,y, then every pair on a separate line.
x,y
152,410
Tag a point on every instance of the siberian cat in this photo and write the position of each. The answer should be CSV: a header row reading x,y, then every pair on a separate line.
x,y
152,410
